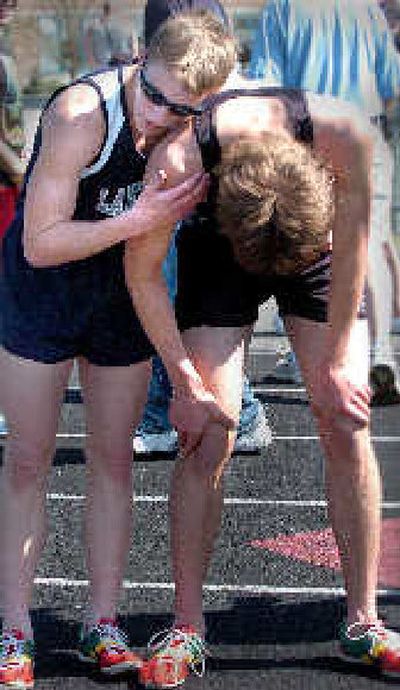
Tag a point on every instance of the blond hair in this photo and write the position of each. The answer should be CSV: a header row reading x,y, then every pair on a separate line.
x,y
274,202
197,48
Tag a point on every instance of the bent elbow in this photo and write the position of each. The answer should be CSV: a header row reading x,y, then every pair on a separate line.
x,y
34,256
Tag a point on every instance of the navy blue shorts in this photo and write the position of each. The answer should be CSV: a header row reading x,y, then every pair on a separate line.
x,y
213,289
78,309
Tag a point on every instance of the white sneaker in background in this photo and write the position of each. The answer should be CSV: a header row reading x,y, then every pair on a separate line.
x,y
257,437
164,442
287,370
3,425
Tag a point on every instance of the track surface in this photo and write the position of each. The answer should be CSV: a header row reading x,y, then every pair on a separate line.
x,y
273,598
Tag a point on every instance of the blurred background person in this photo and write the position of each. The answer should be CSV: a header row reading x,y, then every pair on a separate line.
x,y
12,141
105,43
346,50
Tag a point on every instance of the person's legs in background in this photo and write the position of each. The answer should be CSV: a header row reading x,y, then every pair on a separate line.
x,y
392,246
286,369
8,197
155,434
384,373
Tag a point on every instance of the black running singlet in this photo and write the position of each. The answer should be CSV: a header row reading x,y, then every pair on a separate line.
x,y
294,101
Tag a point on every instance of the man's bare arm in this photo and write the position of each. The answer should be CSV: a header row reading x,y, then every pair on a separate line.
x,y
194,405
144,256
344,138
73,132
341,397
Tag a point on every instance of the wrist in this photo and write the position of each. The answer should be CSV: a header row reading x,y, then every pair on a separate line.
x,y
185,380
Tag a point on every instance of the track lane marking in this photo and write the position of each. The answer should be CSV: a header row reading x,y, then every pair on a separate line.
x,y
148,498
222,587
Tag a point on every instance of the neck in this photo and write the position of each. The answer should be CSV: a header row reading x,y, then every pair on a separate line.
x,y
130,77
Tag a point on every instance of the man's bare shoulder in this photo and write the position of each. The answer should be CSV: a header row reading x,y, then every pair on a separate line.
x,y
73,125
178,155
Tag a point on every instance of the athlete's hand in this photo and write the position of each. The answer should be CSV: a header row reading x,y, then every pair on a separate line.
x,y
158,205
337,393
191,412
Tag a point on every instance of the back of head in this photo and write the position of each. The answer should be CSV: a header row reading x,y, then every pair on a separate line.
x,y
274,203
197,48
157,11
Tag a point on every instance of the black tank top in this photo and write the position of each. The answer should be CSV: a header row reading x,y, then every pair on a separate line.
x,y
295,104
205,131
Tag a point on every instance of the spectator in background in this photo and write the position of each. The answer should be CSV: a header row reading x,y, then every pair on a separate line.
x,y
12,165
391,9
105,44
392,12
347,50
155,433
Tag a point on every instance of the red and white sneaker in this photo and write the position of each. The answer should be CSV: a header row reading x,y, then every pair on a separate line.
x,y
106,645
173,655
16,660
377,646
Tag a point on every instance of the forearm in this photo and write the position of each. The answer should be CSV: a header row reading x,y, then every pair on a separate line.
x,y
66,241
152,303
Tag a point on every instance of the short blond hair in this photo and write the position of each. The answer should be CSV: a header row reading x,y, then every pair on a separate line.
x,y
197,48
275,203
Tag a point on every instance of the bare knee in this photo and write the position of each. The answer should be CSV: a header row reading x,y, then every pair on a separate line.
x,y
342,438
26,464
207,463
111,461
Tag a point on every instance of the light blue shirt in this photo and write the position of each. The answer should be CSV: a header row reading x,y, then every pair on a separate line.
x,y
343,48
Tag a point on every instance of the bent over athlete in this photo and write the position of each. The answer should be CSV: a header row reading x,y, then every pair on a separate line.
x,y
64,296
287,214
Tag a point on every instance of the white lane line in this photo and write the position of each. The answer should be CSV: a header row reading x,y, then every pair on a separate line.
x,y
265,390
272,351
378,439
227,501
234,589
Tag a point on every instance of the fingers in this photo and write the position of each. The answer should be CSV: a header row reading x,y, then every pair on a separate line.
x,y
157,180
220,417
195,184
189,443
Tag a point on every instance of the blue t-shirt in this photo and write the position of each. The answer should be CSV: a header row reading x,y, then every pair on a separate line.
x,y
336,47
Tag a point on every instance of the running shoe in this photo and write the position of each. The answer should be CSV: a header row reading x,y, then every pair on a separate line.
x,y
287,370
107,646
376,646
256,437
384,385
3,425
155,442
16,660
173,655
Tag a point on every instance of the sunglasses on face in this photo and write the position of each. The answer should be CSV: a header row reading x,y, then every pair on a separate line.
x,y
157,97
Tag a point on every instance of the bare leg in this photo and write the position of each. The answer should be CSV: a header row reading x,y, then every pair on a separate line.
x,y
352,476
196,492
115,397
31,397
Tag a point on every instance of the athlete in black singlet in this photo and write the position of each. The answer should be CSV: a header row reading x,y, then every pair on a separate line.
x,y
287,214
64,297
